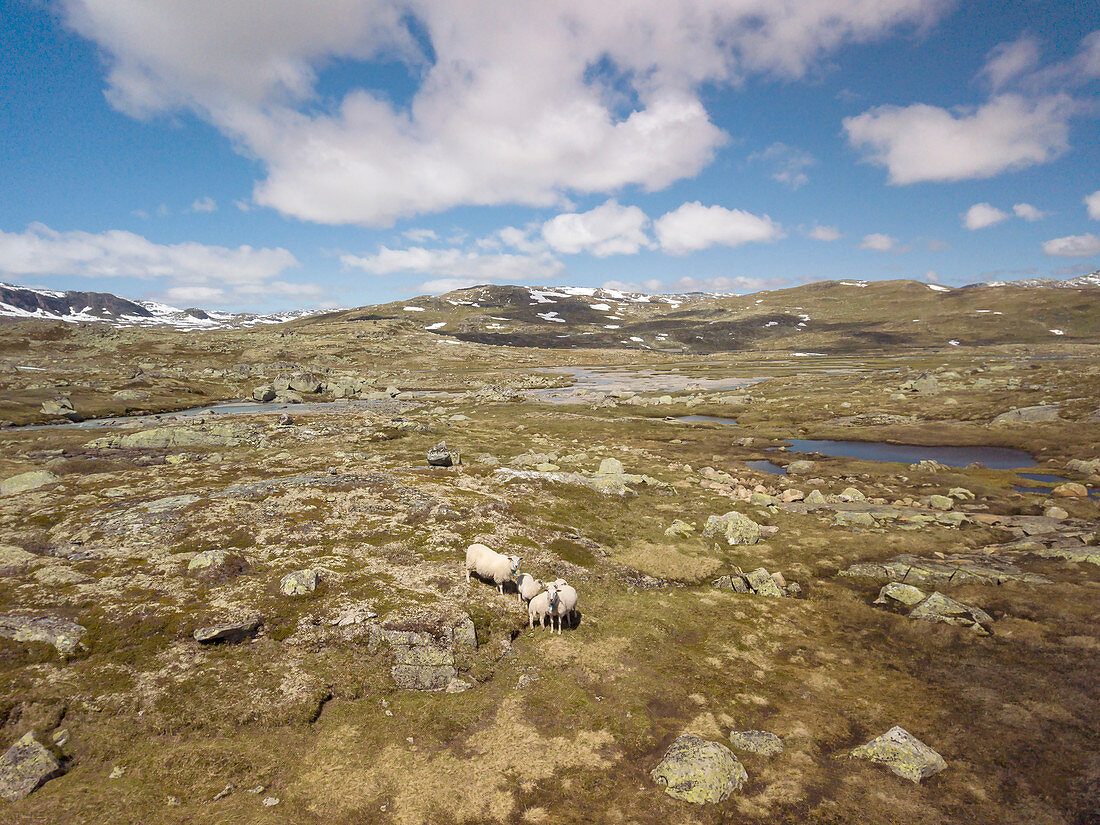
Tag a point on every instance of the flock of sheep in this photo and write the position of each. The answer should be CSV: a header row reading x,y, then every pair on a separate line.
x,y
555,600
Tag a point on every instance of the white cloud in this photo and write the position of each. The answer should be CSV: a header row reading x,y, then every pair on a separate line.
x,y
1092,203
650,286
609,229
1028,212
207,204
788,164
242,205
506,109
823,233
926,143
981,215
234,273
693,226
932,276
879,242
1073,246
738,283
456,265
420,235
1010,61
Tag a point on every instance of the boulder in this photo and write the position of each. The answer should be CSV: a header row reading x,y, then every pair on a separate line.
x,y
815,497
305,382
699,771
299,583
15,560
762,583
898,594
25,482
1070,489
736,528
1027,415
852,494
939,608
63,634
845,518
442,456
800,467
679,529
735,583
762,500
217,561
229,632
264,394
756,741
902,753
940,502
611,466
1056,513
25,766
1088,467
60,407
960,493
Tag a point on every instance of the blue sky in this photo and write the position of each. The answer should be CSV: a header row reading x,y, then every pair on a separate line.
x,y
343,152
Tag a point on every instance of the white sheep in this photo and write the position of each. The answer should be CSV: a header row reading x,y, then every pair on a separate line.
x,y
488,564
527,587
542,605
567,603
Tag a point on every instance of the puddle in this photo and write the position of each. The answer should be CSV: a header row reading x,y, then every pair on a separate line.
x,y
1053,481
995,458
713,419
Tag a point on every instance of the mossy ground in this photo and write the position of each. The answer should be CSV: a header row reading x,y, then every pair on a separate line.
x,y
556,727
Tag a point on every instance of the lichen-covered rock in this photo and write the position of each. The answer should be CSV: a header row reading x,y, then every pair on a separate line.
x,y
25,766
852,494
902,753
25,482
756,741
762,583
735,583
442,456
940,502
202,436
1056,513
736,528
960,493
1071,489
611,466
1027,415
800,467
217,561
815,497
939,608
53,630
15,560
896,593
264,394
679,529
845,518
229,632
299,583
699,771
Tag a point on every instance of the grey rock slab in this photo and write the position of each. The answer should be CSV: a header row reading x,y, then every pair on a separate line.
x,y
25,766
897,593
902,753
442,456
944,610
228,632
299,583
25,482
756,741
63,634
737,529
762,583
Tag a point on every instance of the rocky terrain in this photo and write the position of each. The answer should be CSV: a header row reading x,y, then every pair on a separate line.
x,y
259,612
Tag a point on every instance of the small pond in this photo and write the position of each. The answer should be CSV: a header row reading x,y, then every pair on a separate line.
x,y
995,458
713,419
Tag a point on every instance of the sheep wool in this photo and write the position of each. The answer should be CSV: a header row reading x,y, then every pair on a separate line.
x,y
488,564
542,606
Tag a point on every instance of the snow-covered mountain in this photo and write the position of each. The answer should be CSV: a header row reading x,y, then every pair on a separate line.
x,y
1081,282
103,307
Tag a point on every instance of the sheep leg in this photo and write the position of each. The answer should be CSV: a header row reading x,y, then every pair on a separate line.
x,y
467,575
500,587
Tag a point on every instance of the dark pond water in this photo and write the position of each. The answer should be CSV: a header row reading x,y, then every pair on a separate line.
x,y
766,467
996,458
1043,478
713,419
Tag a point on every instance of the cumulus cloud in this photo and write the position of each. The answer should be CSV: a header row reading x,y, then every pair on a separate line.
x,y
456,265
879,242
823,233
1092,203
512,103
228,274
981,215
609,229
207,204
420,235
693,226
738,283
927,143
788,164
1028,212
1073,246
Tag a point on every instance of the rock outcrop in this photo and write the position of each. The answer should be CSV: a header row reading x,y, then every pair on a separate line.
x,y
699,771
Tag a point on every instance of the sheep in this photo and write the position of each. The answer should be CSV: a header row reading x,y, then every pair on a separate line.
x,y
527,587
488,564
567,603
542,605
